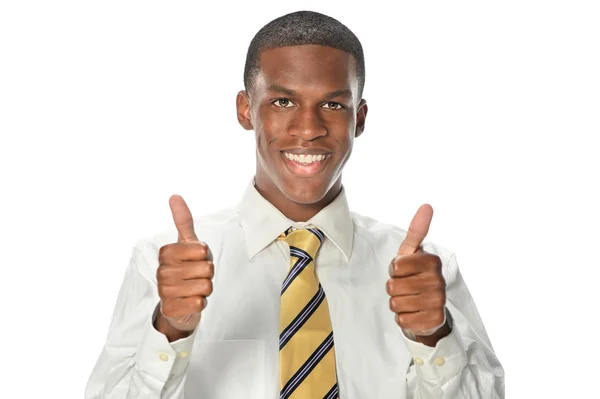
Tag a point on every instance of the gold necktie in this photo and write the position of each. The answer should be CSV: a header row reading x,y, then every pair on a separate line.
x,y
306,353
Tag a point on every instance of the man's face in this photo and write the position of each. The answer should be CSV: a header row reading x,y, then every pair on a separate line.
x,y
305,112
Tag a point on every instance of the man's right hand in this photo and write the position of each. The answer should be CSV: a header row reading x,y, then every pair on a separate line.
x,y
184,276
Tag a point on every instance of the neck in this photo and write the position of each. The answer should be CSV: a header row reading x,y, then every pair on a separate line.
x,y
298,212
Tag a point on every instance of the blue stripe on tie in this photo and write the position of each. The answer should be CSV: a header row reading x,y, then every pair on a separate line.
x,y
303,260
304,315
299,253
307,367
296,270
333,393
318,233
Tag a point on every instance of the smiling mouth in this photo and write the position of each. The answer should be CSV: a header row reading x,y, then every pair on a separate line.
x,y
305,164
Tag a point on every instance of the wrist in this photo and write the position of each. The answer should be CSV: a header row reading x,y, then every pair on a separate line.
x,y
432,340
431,337
162,325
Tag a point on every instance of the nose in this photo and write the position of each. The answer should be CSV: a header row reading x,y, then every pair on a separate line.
x,y
308,124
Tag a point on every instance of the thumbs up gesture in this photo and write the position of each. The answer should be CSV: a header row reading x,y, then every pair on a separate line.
x,y
417,287
184,276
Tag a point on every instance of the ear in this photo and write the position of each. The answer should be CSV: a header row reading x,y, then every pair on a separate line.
x,y
361,116
242,103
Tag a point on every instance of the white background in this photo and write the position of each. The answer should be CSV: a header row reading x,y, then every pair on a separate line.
x,y
489,112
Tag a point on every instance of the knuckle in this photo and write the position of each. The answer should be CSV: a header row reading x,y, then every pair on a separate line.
x,y
401,320
164,291
207,287
202,250
169,253
438,318
167,308
435,262
435,283
438,301
162,273
392,303
161,290
211,268
394,266
197,304
390,286
427,258
440,284
164,252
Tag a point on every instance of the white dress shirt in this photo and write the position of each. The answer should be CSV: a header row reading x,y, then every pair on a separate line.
x,y
234,352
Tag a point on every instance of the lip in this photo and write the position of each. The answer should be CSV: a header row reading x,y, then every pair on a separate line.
x,y
301,170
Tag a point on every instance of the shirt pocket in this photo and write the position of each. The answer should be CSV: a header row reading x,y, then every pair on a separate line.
x,y
226,369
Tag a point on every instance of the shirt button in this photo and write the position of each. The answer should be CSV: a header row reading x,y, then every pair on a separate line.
x,y
163,356
183,354
418,361
439,361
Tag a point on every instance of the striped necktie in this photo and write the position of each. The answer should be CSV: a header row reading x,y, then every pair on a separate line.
x,y
306,353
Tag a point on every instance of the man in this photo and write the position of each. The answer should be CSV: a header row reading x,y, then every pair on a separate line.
x,y
307,299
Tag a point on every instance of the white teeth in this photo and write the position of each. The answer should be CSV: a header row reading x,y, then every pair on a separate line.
x,y
306,159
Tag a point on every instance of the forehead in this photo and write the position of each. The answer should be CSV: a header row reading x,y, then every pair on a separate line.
x,y
307,66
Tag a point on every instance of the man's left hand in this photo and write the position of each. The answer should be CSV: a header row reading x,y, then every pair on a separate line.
x,y
417,287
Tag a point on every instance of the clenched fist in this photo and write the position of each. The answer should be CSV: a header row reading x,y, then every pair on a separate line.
x,y
184,276
417,287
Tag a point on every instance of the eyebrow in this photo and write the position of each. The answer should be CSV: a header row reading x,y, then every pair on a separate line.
x,y
288,92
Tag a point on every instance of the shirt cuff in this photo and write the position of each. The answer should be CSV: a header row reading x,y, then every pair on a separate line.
x,y
440,363
161,358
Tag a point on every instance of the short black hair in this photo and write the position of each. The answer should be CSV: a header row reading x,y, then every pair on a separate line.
x,y
299,28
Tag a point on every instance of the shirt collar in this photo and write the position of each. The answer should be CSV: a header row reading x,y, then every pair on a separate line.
x,y
262,223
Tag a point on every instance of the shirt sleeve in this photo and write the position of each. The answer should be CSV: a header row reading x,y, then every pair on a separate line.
x,y
463,364
137,361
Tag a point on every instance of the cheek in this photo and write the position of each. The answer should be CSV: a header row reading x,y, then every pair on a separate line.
x,y
342,129
274,126
345,140
266,130
271,127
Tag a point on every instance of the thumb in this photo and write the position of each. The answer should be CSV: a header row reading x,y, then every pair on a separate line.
x,y
417,230
183,219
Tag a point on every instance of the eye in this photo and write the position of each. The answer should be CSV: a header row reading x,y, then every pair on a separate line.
x,y
283,103
333,105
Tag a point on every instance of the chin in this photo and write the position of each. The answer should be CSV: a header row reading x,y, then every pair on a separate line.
x,y
304,191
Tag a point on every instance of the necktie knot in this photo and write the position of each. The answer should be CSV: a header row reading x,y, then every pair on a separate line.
x,y
303,242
